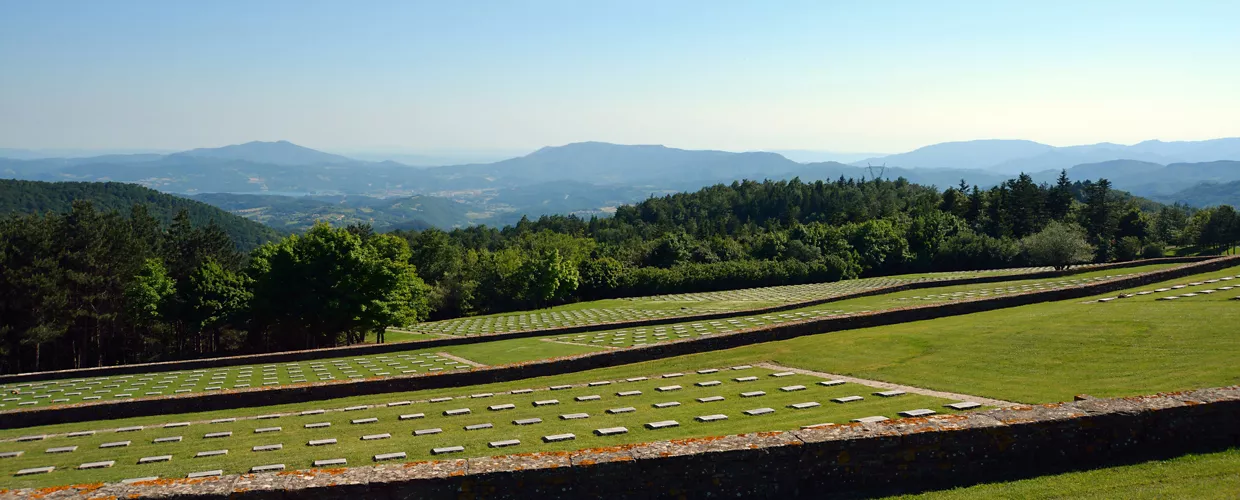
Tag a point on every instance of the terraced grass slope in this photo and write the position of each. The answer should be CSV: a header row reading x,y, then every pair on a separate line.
x,y
513,419
423,361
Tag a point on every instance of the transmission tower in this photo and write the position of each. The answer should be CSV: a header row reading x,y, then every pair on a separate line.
x,y
881,169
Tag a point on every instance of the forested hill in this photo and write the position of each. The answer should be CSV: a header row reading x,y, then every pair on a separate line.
x,y
34,197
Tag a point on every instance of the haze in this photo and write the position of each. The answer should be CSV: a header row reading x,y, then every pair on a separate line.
x,y
515,76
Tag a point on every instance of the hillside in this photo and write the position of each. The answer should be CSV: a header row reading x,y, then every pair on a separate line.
x,y
1206,194
275,153
38,197
298,213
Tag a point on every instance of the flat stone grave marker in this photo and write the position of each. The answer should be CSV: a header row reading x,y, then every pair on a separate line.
x,y
922,412
522,391
458,411
965,405
611,431
636,379
792,388
662,424
710,399
80,434
374,437
207,473
62,449
97,465
783,374
35,470
157,458
330,462
482,395
547,402
745,379
212,453
427,432
11,454
504,443
711,418
312,412
263,430
803,406
560,387
574,416
213,435
601,382
629,393
176,424
555,438
759,411
669,388
627,409
848,399
169,439
889,394
223,420
443,450
116,444
668,404
267,468
593,397
412,416
39,437
870,420
318,425
476,427
673,375
321,442
357,408
708,383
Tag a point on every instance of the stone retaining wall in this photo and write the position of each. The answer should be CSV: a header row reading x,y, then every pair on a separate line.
x,y
853,460
316,391
370,349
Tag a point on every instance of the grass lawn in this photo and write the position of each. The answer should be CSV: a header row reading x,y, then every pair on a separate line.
x,y
1037,353
1207,476
296,454
516,350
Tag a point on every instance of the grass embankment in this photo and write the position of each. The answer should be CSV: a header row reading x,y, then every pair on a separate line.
x,y
1206,476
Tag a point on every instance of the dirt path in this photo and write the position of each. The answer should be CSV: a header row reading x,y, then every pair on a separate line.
x,y
554,341
459,359
887,385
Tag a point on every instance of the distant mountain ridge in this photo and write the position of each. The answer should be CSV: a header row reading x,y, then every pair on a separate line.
x,y
275,153
590,177
1015,156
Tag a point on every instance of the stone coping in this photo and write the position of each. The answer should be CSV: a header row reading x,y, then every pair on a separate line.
x,y
1024,421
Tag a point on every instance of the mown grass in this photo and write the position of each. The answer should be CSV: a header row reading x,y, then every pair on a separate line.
x,y
1037,353
1205,476
296,454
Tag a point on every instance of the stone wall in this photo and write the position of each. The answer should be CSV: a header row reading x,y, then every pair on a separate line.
x,y
852,460
370,349
317,391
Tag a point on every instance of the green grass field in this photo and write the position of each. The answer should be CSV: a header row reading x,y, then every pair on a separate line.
x,y
1208,476
1038,353
492,353
296,454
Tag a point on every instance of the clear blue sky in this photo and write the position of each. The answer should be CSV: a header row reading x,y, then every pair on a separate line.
x,y
830,75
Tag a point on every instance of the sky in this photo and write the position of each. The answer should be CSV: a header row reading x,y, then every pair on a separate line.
x,y
518,75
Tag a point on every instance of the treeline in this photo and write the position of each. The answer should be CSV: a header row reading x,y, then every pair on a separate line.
x,y
93,288
769,233
89,287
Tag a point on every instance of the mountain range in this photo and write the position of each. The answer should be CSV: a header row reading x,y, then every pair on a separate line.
x,y
593,177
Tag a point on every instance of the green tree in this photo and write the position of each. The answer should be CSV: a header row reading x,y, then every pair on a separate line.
x,y
327,287
1059,245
